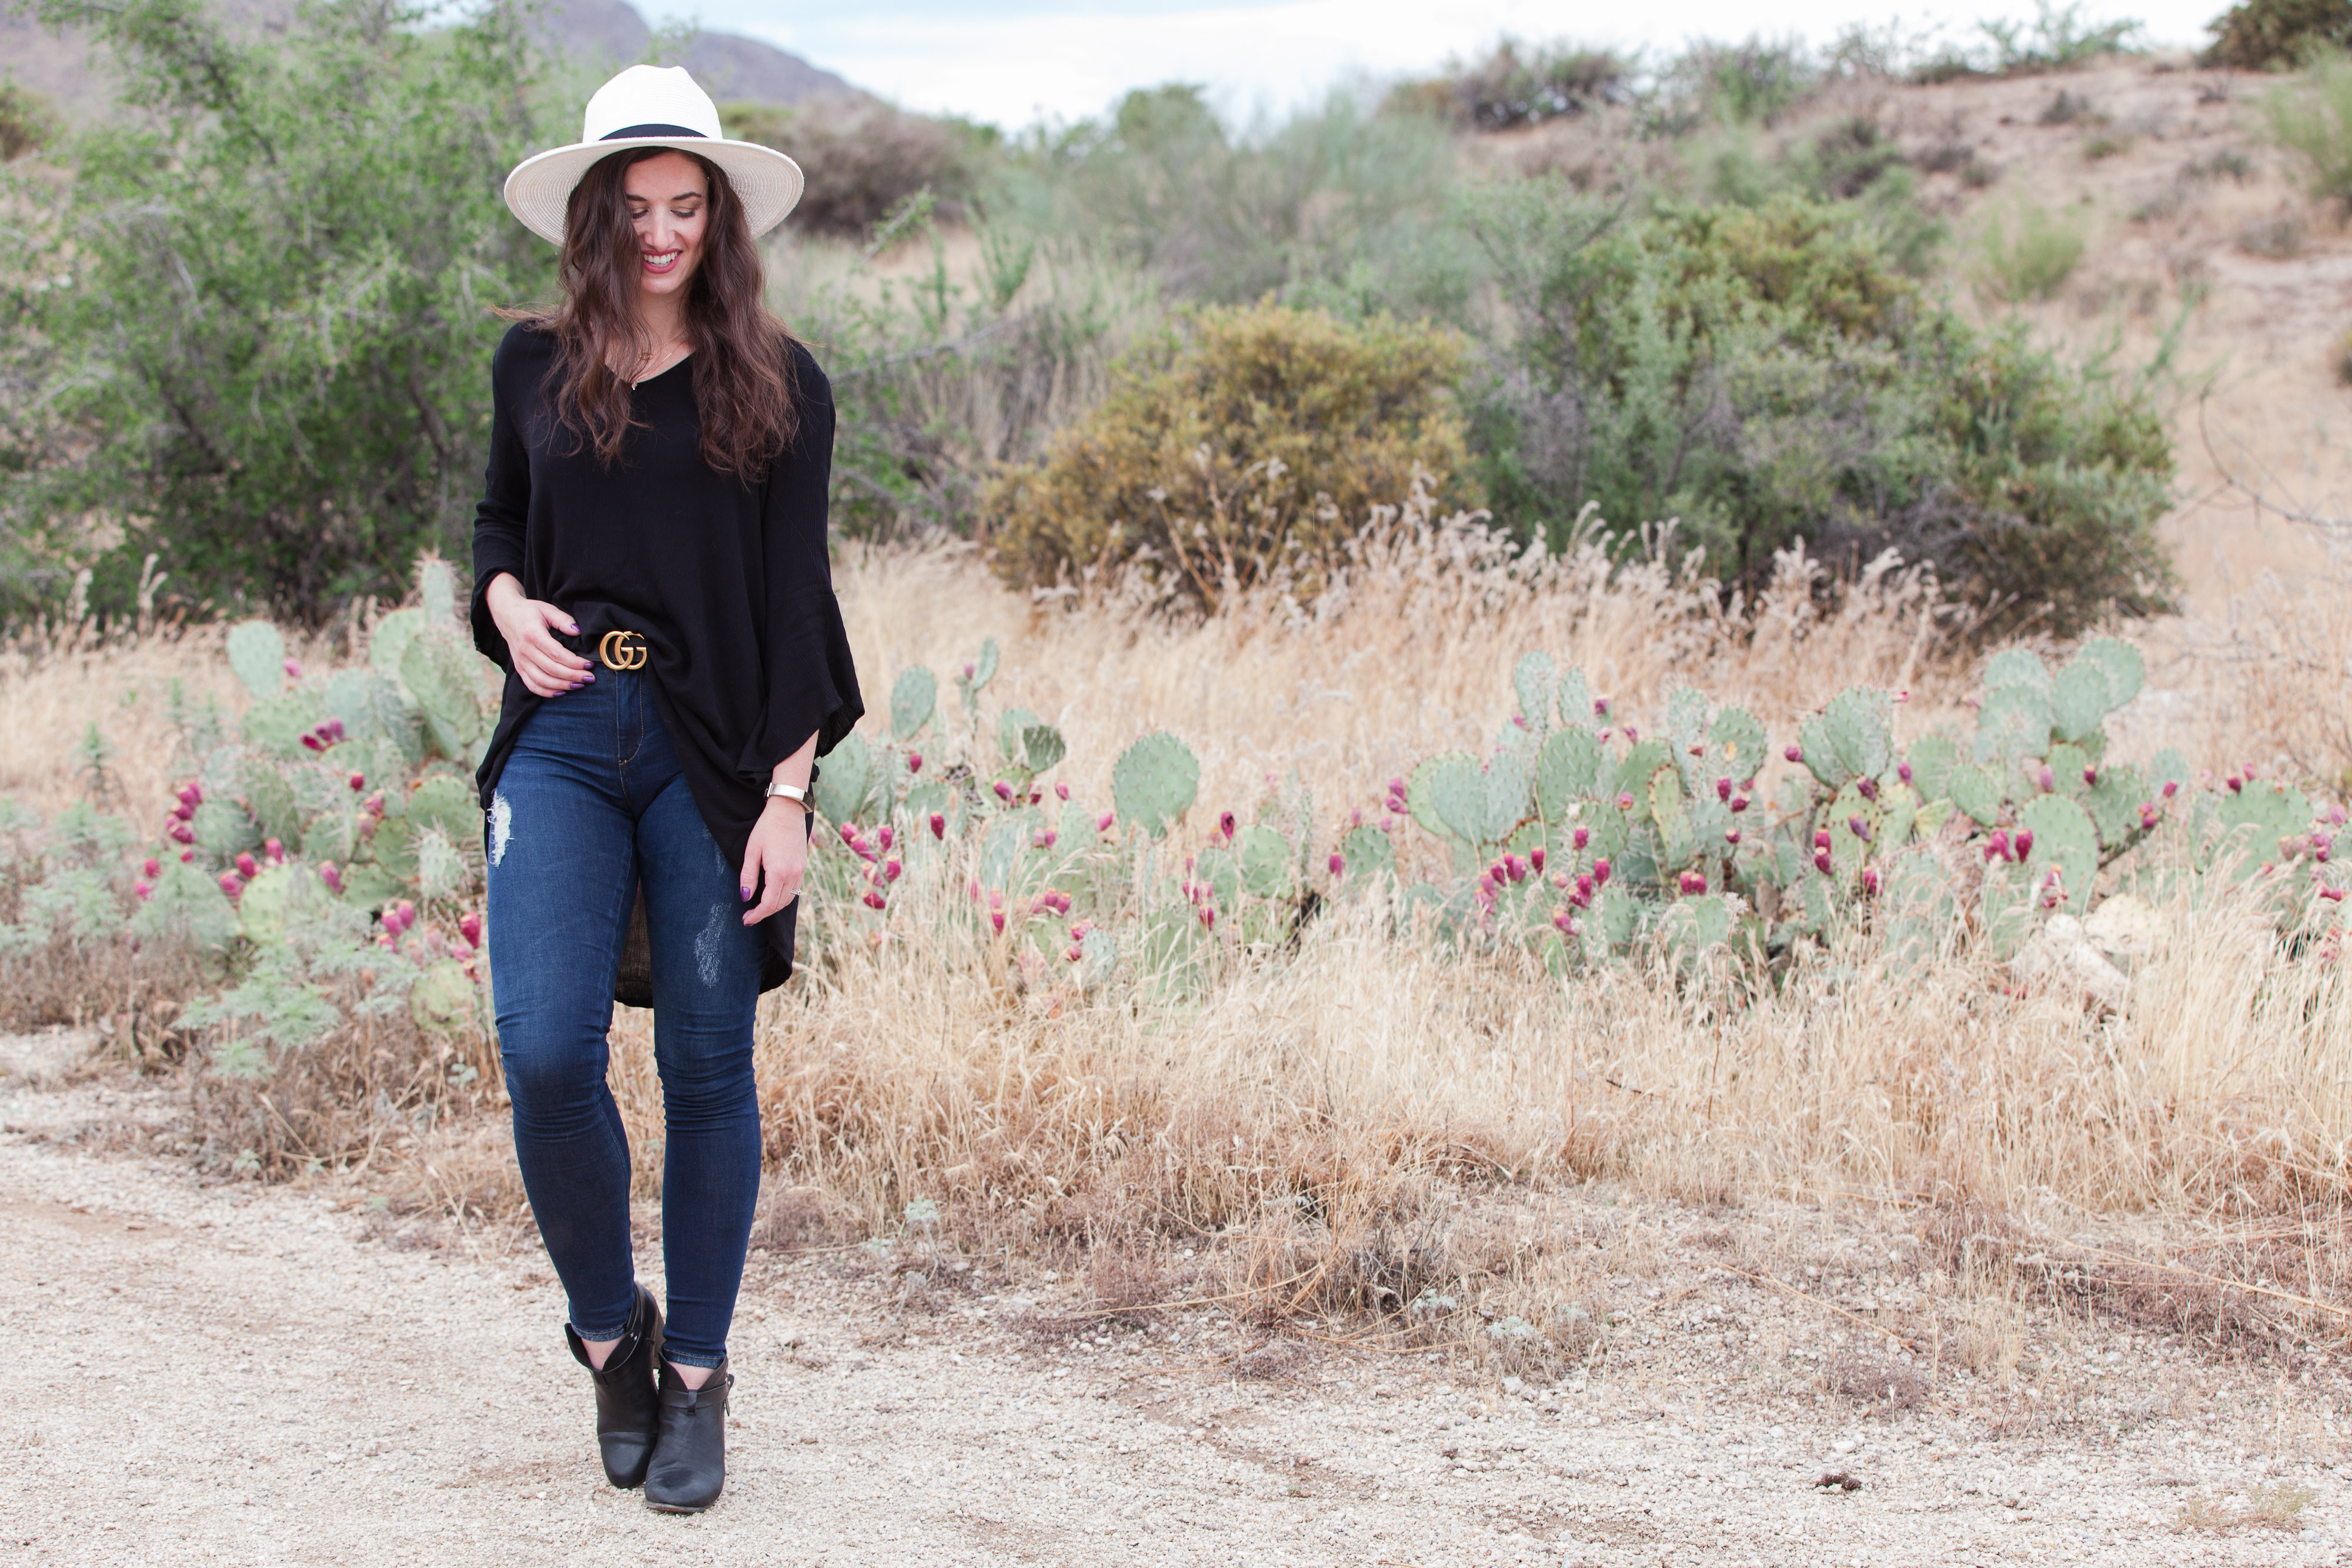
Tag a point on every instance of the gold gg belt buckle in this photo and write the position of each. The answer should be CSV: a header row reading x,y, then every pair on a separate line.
x,y
622,651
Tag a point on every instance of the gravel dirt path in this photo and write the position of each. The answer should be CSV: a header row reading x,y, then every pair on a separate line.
x,y
238,1374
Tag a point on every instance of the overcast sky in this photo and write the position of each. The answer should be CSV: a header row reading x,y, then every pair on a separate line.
x,y
1014,61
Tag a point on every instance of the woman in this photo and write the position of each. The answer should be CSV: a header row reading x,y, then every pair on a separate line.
x,y
650,570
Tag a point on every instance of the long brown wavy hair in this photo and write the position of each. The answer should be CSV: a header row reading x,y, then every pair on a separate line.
x,y
741,389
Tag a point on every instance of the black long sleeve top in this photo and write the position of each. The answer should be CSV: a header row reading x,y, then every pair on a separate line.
x,y
728,581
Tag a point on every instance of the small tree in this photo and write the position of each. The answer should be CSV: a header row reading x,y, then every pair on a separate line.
x,y
258,322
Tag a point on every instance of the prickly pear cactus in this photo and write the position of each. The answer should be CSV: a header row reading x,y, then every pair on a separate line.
x,y
437,590
1153,783
258,653
1536,685
444,676
1575,700
2066,843
1570,769
846,780
1453,796
913,699
976,676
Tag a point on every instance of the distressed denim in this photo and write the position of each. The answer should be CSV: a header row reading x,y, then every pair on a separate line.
x,y
590,802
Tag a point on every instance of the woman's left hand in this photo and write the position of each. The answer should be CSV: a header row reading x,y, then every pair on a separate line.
x,y
776,858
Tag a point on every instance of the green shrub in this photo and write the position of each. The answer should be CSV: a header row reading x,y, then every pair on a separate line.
x,y
1765,375
2269,34
864,159
1250,438
2313,122
261,326
1516,85
27,121
2030,258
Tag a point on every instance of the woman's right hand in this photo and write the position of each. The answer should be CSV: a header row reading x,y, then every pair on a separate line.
x,y
547,667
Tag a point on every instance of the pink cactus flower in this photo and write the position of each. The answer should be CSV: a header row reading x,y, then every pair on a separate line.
x,y
1632,735
1061,791
1103,823
1867,787
2091,776
180,833
1624,800
2237,785
1738,804
1004,791
407,913
2024,842
1822,862
1903,697
938,824
892,869
1870,880
885,836
1600,707
2332,894
1073,953
873,899
1794,754
313,743
996,921
1691,882
2171,788
469,926
914,762
1042,840
1225,826
1208,916
1356,817
1731,835
275,850
968,669
1821,838
1564,920
191,796
1858,828
2046,778
1581,837
182,812
142,891
1338,864
1515,867
332,875
1520,720
335,730
186,856
1600,873
151,869
1903,771
247,868
1536,859
230,884
1723,789
293,669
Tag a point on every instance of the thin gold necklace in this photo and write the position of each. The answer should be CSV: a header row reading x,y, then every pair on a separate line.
x,y
655,358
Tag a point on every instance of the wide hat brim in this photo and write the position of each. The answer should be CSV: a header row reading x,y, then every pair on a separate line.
x,y
767,182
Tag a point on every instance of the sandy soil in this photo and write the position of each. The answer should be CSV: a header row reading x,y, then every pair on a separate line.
x,y
233,1373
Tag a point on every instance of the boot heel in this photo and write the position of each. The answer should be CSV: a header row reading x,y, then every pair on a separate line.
x,y
689,1468
628,1404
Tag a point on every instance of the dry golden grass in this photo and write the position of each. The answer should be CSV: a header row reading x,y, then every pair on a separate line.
x,y
1309,1122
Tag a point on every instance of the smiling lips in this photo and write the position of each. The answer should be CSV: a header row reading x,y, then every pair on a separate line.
x,y
661,261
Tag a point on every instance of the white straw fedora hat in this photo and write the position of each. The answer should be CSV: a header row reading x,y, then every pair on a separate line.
x,y
652,106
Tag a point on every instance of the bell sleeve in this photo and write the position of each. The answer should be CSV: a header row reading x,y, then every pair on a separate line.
x,y
499,519
811,680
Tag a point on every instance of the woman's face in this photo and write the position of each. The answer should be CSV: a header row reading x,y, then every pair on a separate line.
x,y
670,204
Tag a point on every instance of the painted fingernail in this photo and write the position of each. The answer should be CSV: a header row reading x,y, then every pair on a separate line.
x,y
747,892
573,630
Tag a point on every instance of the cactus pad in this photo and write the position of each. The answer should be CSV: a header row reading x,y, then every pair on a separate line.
x,y
445,677
437,591
914,697
1535,682
1736,743
2248,824
1860,726
1477,807
258,653
1265,861
2065,838
2120,663
2016,667
1570,767
1154,782
844,782
1975,790
1367,853
1575,700
2013,723
2080,700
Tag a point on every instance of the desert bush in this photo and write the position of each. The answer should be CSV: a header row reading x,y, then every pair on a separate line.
x,y
864,159
1517,84
2313,121
1247,440
1758,82
28,123
2057,40
1765,374
1229,213
2270,35
257,310
2029,256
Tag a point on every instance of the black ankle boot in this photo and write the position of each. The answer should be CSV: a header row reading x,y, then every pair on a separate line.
x,y
627,1410
691,1454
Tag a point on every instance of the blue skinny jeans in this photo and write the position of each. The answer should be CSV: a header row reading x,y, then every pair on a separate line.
x,y
591,801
